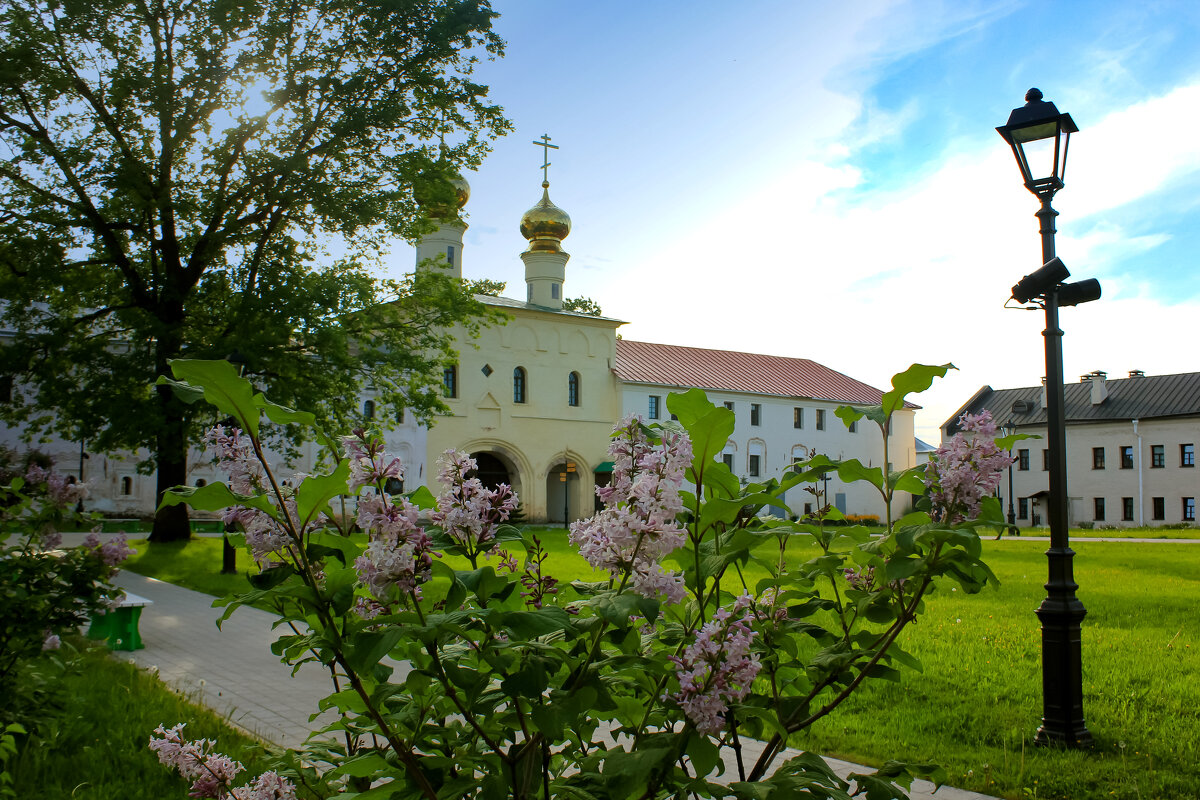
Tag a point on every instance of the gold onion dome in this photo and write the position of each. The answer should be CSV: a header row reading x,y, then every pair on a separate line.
x,y
545,225
462,190
431,194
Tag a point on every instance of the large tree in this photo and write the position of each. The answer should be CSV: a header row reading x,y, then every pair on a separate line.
x,y
202,177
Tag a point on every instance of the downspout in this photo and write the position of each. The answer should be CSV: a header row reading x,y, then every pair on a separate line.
x,y
1141,500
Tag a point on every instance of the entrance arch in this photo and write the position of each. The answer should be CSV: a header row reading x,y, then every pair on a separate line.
x,y
491,470
563,493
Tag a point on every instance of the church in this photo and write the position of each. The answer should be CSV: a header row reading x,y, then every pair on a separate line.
x,y
534,400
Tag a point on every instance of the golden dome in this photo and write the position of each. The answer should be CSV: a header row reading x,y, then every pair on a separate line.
x,y
545,225
442,193
462,190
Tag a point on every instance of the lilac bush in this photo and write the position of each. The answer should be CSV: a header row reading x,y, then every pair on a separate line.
x,y
634,685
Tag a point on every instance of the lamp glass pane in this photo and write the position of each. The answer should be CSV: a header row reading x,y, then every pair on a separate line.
x,y
1039,155
1042,130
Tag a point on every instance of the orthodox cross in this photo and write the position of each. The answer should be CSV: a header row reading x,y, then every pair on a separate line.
x,y
546,148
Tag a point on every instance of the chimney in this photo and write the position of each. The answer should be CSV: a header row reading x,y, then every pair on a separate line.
x,y
1045,398
1099,386
1136,373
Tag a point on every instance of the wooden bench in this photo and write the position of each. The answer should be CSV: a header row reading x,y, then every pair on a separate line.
x,y
120,625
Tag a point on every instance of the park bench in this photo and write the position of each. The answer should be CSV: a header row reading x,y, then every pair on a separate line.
x,y
120,625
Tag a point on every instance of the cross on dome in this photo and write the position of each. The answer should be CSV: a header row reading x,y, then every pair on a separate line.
x,y
546,148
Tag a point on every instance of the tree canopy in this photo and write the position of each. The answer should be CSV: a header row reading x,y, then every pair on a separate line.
x,y
201,178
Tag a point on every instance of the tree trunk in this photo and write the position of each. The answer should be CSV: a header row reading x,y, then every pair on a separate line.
x,y
171,524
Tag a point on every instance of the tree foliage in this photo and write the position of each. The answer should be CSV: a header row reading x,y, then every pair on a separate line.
x,y
199,178
582,305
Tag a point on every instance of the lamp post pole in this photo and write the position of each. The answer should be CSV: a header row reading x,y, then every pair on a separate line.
x,y
1061,612
1012,513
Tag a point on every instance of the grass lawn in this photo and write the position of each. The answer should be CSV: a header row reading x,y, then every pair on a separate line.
x,y
977,705
95,747
1122,533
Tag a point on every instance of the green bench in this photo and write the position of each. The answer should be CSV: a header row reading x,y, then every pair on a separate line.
x,y
120,625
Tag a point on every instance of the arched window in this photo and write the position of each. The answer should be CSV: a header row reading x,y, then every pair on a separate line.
x,y
126,485
573,389
200,483
519,385
369,409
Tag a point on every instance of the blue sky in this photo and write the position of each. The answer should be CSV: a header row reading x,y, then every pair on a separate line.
x,y
824,180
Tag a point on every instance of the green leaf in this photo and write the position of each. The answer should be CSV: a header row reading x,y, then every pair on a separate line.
x,y
315,491
853,470
232,394
532,624
367,648
282,415
272,577
704,753
913,380
215,497
422,498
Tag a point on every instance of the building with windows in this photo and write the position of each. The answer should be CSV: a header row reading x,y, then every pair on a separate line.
x,y
534,400
1131,448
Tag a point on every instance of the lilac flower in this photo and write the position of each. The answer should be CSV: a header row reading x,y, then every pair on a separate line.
x,y
268,786
966,469
637,528
112,552
717,668
860,579
467,511
369,466
236,458
51,642
212,773
264,535
398,553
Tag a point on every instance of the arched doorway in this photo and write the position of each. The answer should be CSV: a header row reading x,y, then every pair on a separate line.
x,y
563,503
490,470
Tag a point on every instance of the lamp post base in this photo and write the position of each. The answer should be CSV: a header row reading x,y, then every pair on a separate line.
x,y
1062,662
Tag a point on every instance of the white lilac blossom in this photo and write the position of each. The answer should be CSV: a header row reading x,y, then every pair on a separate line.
x,y
467,511
235,457
212,773
966,469
638,527
717,668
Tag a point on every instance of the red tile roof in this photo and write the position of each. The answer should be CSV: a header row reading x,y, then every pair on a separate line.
x,y
669,365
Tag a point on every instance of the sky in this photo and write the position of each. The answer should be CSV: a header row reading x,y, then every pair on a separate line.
x,y
824,180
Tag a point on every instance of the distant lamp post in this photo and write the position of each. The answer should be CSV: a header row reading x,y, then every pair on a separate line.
x,y
228,551
1039,136
1013,530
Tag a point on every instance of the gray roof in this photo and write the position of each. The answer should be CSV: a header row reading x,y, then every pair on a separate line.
x,y
924,446
508,302
1149,397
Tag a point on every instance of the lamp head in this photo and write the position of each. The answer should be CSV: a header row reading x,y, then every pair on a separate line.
x,y
1041,281
1072,294
1038,135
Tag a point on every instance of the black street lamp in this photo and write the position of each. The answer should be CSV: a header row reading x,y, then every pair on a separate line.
x,y
1039,135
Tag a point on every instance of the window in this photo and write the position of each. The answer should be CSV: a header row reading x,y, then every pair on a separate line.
x,y
127,485
1189,509
853,427
755,414
1023,508
1158,508
1127,456
1097,458
727,460
1187,455
655,402
1127,509
573,389
798,418
450,255
6,388
729,404
519,385
754,461
450,381
820,419
394,486
1023,460
1098,509
369,409
1045,459
555,291
1158,456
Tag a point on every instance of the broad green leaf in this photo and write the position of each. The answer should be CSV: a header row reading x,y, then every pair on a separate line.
x,y
367,648
282,415
532,624
232,394
272,577
704,753
215,497
854,470
913,380
315,491
911,480
422,498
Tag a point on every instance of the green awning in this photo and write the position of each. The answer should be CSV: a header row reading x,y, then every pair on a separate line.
x,y
606,466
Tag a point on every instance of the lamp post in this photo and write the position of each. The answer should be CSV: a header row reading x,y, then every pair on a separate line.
x,y
1013,530
1038,129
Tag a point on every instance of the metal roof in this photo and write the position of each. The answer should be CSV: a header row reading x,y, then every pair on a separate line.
x,y
725,370
1148,397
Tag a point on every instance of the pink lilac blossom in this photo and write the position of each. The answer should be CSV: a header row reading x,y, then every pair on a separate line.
x,y
860,579
638,526
717,668
468,511
268,786
51,642
264,535
112,552
212,773
369,465
236,458
398,553
966,469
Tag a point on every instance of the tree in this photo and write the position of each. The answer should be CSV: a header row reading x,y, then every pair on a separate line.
x,y
582,305
174,177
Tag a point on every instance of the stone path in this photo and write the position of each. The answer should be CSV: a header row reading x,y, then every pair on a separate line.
x,y
233,671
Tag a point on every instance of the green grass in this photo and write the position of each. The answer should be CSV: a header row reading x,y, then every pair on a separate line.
x,y
95,747
977,704
1160,532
